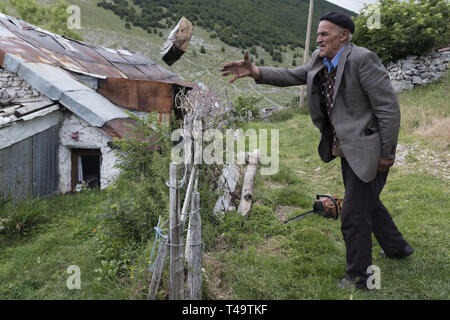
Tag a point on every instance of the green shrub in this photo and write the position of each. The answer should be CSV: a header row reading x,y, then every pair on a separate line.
x,y
138,197
17,219
243,104
51,17
407,28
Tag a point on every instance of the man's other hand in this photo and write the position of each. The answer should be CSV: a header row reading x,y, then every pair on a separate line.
x,y
240,69
385,164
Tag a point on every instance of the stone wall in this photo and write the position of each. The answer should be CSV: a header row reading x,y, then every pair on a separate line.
x,y
14,87
416,70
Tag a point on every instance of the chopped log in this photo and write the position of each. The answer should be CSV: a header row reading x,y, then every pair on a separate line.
x,y
159,265
195,257
177,42
247,186
176,272
228,180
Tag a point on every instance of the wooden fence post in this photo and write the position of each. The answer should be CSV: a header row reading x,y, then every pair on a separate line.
x,y
195,255
159,265
176,287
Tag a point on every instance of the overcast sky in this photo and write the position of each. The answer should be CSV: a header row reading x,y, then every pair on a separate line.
x,y
353,5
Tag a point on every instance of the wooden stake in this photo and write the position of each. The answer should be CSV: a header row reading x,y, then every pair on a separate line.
x,y
187,199
159,265
176,287
195,257
306,53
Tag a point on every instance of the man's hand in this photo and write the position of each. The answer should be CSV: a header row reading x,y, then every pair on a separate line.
x,y
385,164
240,69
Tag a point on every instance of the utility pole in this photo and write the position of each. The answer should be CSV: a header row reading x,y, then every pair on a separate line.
x,y
306,54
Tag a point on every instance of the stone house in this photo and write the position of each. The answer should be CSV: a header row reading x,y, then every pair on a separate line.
x,y
62,102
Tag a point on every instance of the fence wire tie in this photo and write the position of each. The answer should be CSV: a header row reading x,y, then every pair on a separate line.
x,y
158,234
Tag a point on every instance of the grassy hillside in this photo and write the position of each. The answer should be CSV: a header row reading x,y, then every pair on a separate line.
x,y
239,23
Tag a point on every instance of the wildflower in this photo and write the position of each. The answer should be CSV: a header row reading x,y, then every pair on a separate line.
x,y
95,230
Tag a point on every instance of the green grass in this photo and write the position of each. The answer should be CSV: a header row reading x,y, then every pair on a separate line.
x,y
306,259
35,267
258,258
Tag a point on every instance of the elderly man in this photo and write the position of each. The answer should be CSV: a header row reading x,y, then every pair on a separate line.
x,y
352,103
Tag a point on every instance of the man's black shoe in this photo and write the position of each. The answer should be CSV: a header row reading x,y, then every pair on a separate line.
x,y
406,251
349,282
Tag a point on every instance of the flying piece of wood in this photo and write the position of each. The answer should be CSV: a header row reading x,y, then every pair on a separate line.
x,y
177,42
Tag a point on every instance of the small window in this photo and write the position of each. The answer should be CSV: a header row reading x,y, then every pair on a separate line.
x,y
85,168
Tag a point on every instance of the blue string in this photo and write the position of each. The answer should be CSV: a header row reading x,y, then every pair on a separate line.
x,y
158,234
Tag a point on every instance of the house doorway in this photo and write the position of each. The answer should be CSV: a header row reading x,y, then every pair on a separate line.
x,y
86,168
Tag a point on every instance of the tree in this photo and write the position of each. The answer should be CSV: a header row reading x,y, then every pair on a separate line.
x,y
51,17
202,50
406,27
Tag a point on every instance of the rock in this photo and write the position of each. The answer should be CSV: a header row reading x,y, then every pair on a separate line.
x,y
6,98
441,67
411,58
408,65
445,56
437,60
417,80
400,85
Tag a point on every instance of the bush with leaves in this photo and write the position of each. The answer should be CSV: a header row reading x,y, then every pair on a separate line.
x,y
407,28
138,197
245,104
50,17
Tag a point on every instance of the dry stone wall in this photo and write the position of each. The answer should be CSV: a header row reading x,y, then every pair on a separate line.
x,y
416,70
13,87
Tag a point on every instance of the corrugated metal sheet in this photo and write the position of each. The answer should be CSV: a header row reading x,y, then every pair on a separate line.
x,y
46,60
45,163
91,107
16,170
29,168
138,95
50,81
61,52
59,85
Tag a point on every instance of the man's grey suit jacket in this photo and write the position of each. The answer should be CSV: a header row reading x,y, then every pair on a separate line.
x,y
365,115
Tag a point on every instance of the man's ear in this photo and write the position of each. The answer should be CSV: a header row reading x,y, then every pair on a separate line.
x,y
344,35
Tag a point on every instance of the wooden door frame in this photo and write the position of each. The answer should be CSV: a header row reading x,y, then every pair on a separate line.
x,y
75,152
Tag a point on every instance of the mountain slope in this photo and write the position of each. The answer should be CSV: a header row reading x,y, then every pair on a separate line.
x,y
239,23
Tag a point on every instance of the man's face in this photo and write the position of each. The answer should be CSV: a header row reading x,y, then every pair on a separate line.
x,y
330,39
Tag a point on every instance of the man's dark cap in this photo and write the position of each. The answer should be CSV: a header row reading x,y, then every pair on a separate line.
x,y
339,18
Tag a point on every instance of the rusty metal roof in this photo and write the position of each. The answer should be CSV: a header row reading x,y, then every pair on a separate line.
x,y
33,44
85,78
